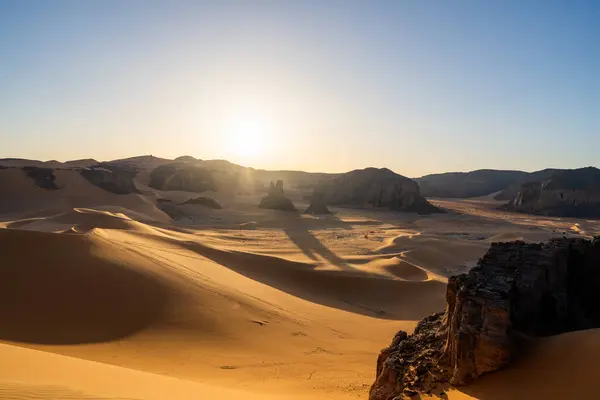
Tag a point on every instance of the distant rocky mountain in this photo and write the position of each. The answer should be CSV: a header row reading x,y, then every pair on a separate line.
x,y
567,193
375,188
469,184
510,192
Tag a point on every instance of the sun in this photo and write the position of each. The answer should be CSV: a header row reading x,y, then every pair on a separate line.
x,y
248,138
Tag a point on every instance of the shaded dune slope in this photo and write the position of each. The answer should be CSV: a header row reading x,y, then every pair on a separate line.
x,y
60,289
557,367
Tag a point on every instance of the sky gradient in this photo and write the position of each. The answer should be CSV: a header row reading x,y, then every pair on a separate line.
x,y
416,86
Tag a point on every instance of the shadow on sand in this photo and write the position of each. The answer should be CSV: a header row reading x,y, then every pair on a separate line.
x,y
312,247
356,292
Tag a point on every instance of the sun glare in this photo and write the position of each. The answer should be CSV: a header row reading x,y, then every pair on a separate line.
x,y
248,138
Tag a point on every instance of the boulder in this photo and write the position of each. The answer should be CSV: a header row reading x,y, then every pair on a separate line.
x,y
517,290
276,200
375,188
317,205
204,201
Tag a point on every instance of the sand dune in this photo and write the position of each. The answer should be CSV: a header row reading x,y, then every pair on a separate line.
x,y
82,220
30,374
62,289
298,306
557,367
20,196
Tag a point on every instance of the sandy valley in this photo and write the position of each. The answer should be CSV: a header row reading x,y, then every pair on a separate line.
x,y
240,301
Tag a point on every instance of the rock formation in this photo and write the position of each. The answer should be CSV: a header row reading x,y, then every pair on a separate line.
x,y
276,200
317,205
182,176
468,184
516,290
204,201
378,188
43,177
112,178
569,193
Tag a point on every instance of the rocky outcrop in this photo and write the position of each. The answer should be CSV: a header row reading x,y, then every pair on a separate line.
x,y
516,290
276,200
317,205
375,188
204,201
468,184
112,178
182,176
570,193
43,177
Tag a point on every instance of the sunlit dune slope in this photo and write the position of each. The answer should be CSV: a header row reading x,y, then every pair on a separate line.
x,y
30,374
122,292
82,220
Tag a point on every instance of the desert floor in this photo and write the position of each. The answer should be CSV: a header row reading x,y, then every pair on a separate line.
x,y
110,302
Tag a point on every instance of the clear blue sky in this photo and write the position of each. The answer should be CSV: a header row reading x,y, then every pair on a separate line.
x,y
416,86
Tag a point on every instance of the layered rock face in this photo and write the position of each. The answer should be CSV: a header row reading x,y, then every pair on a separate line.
x,y
516,290
378,188
276,200
571,193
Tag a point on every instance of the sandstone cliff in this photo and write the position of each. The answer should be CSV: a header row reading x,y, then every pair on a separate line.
x,y
375,188
516,290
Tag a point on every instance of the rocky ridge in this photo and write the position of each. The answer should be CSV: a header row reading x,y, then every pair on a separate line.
x,y
517,290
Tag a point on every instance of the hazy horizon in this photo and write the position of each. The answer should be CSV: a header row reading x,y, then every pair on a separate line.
x,y
416,87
